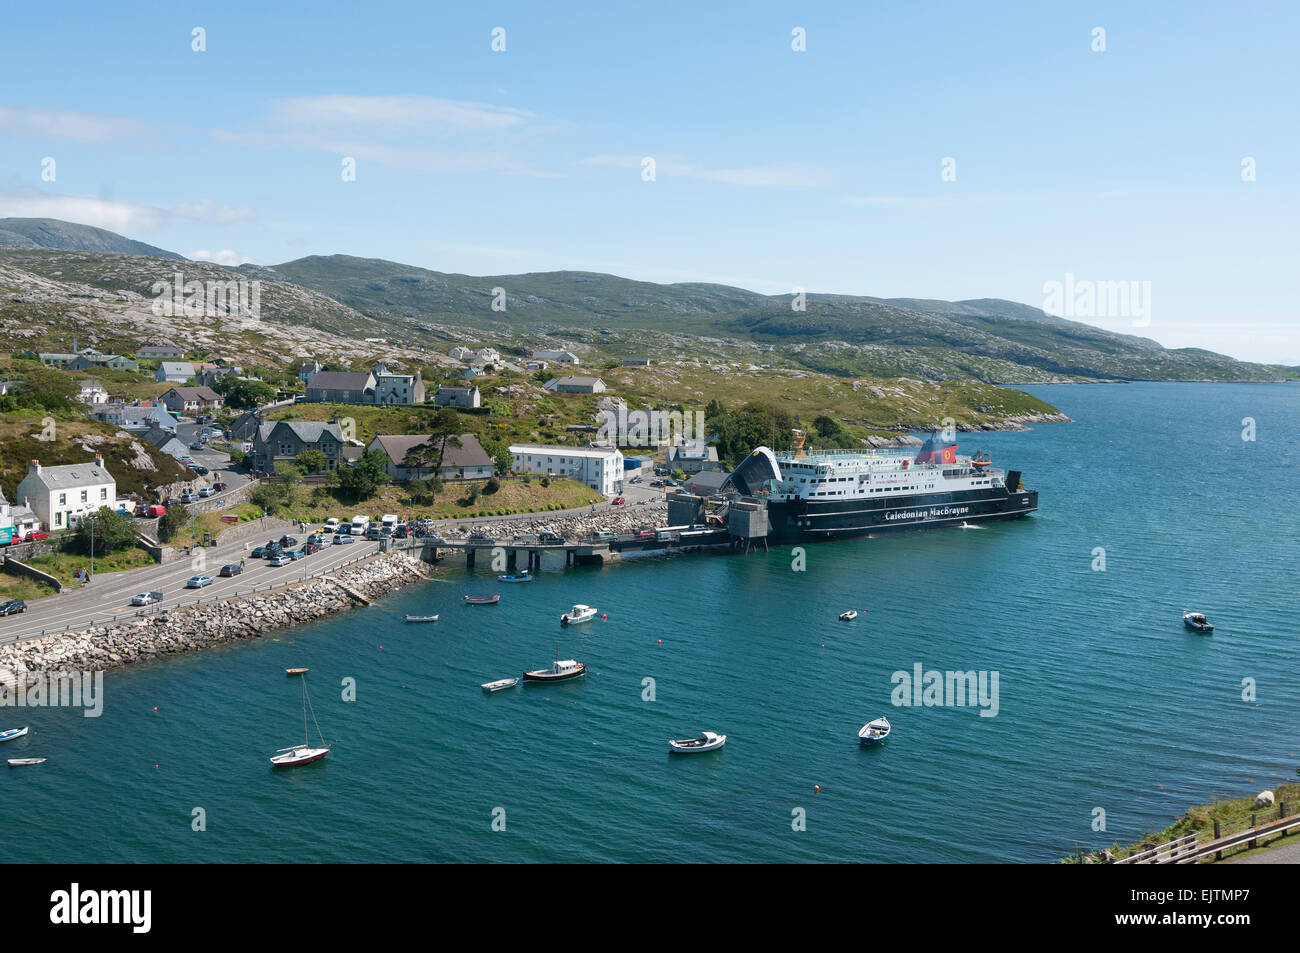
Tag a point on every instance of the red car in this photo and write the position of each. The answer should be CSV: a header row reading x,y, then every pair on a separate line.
x,y
618,499
311,548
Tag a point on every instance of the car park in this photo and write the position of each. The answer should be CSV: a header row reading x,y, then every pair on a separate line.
x,y
198,582
12,607
231,569
146,598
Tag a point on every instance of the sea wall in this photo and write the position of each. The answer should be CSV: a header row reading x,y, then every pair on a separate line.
x,y
619,519
185,629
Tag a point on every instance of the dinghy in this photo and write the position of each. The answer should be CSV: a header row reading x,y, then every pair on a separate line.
x,y
421,618
482,600
707,741
24,762
1197,622
13,733
295,671
499,684
874,732
849,616
515,577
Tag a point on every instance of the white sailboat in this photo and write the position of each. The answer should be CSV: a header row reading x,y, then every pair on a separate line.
x,y
304,753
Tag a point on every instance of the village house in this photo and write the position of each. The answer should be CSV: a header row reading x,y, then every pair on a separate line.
x,y
487,355
208,376
166,441
556,357
177,372
190,400
692,457
132,416
536,365
393,389
468,461
450,395
600,468
460,353
342,387
307,371
61,496
576,385
92,392
277,440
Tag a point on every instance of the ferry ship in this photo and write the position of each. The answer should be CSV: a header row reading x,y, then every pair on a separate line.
x,y
832,494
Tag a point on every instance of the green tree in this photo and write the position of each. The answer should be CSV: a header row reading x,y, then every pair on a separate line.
x,y
289,471
272,497
359,481
172,522
245,395
500,452
311,461
112,531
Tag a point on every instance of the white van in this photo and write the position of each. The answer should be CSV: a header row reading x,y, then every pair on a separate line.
x,y
359,525
388,524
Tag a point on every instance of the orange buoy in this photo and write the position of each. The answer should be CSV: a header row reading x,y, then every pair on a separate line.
x,y
817,789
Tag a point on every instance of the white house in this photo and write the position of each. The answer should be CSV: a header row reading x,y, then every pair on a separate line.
x,y
576,385
460,353
600,468
487,355
176,371
60,496
448,395
558,357
92,392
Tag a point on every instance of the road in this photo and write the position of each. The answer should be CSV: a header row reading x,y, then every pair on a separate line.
x,y
109,594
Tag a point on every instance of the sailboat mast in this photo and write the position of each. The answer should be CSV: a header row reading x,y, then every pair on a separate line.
x,y
306,738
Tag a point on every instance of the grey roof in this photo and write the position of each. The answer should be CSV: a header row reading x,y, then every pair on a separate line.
x,y
72,475
177,367
159,349
308,431
195,393
580,381
339,380
707,480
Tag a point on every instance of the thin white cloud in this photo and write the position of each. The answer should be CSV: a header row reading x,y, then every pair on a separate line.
x,y
339,111
125,218
225,256
71,124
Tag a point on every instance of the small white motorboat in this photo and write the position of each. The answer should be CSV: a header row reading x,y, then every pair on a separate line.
x,y
1197,622
707,741
849,616
24,762
578,613
13,733
500,684
421,618
874,732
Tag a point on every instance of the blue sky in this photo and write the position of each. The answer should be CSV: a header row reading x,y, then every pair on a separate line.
x,y
774,168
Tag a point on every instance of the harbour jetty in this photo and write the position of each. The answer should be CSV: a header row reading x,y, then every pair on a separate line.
x,y
192,627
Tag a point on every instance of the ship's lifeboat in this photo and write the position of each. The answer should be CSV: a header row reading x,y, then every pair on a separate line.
x,y
981,460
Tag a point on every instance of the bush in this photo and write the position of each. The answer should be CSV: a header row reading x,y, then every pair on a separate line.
x,y
491,486
111,531
546,481
172,522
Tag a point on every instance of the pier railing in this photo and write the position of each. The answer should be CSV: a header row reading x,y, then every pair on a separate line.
x,y
144,611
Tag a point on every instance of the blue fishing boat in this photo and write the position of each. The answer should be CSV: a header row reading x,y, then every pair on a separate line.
x,y
524,576
13,733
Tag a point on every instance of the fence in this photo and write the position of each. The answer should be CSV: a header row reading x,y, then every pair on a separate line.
x,y
199,600
1246,832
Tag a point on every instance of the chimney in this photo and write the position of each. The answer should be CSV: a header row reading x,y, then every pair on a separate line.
x,y
99,460
35,467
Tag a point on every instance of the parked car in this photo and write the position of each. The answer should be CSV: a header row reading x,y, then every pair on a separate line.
x,y
484,538
12,607
207,491
636,479
148,512
401,532
279,559
286,540
187,460
294,553
173,501
219,486
341,538
435,540
201,471
198,582
602,534
196,445
146,598
332,523
645,534
189,497
311,548
618,500
550,539
231,569
259,553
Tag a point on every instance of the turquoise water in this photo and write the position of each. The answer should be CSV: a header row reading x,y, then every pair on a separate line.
x,y
1104,699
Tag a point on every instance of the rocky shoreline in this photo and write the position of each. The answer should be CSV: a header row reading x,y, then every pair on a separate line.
x,y
623,519
194,627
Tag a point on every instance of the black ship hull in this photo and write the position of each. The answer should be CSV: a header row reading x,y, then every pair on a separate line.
x,y
812,520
